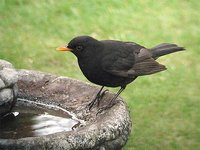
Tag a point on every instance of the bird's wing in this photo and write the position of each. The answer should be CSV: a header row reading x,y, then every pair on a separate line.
x,y
118,63
132,63
145,64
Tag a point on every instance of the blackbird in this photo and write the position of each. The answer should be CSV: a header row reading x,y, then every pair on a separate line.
x,y
114,63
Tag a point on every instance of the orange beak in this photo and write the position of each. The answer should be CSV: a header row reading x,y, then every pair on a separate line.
x,y
63,49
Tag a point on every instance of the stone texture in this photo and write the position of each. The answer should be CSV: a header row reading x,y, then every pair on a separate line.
x,y
108,130
15,90
6,99
9,76
2,84
8,87
6,95
5,64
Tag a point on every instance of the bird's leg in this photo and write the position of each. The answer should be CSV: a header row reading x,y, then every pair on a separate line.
x,y
99,95
112,102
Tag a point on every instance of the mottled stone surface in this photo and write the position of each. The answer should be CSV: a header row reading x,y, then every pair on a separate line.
x,y
6,95
8,87
9,76
106,131
2,84
5,64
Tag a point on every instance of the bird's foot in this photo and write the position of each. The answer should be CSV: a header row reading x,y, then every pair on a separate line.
x,y
111,104
98,97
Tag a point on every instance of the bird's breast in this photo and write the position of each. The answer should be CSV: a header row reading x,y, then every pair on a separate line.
x,y
94,72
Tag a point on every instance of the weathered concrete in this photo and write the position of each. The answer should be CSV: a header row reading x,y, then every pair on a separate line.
x,y
106,131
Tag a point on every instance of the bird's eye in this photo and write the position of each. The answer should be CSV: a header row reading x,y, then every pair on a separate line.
x,y
79,48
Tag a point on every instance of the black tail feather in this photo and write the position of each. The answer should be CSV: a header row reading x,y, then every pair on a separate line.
x,y
164,49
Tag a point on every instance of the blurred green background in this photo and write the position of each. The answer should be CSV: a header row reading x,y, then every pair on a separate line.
x,y
165,107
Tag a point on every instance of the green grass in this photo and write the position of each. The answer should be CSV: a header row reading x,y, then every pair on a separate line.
x,y
165,107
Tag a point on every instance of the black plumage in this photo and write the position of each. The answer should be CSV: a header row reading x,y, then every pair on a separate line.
x,y
115,63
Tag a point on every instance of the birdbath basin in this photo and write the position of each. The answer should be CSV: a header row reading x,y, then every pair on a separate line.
x,y
107,130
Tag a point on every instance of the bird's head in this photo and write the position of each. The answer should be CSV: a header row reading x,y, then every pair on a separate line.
x,y
80,45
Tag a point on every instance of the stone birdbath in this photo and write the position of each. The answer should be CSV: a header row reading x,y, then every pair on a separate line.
x,y
108,130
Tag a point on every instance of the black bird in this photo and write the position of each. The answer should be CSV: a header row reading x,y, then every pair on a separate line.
x,y
114,63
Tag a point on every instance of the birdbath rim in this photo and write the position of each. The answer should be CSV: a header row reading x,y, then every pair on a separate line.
x,y
109,130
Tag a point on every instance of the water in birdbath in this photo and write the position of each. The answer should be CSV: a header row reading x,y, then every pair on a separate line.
x,y
30,119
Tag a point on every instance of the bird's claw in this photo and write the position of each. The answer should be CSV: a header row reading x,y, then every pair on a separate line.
x,y
100,110
111,104
98,97
89,106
